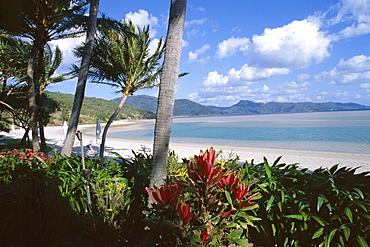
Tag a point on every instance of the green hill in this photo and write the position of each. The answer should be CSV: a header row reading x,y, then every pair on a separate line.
x,y
249,107
183,107
93,108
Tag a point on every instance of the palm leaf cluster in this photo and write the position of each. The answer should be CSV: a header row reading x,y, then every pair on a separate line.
x,y
123,59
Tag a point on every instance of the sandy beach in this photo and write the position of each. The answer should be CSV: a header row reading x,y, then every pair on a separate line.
x,y
306,159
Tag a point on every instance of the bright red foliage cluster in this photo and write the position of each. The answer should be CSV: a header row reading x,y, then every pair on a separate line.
x,y
25,154
210,185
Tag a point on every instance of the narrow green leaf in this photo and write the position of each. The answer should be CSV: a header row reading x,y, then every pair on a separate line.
x,y
362,242
295,216
346,232
319,220
270,202
235,234
318,233
228,197
267,168
320,201
348,212
359,192
239,242
331,235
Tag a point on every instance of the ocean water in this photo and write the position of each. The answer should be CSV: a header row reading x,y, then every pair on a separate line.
x,y
340,131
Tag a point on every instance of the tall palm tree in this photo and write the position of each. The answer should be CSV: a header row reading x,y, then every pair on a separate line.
x,y
124,61
82,78
43,21
167,91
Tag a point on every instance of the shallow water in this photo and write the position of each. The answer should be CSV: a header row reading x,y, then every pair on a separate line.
x,y
342,131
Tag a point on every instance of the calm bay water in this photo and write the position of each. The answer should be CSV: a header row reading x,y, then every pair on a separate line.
x,y
345,131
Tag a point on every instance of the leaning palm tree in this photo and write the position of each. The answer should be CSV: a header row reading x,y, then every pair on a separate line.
x,y
124,61
167,91
42,21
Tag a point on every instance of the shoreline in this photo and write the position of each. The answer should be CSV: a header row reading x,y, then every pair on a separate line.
x,y
306,159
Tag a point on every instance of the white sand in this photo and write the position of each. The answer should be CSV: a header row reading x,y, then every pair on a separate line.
x,y
306,159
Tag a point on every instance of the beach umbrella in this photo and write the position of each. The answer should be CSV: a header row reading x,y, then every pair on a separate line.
x,y
98,131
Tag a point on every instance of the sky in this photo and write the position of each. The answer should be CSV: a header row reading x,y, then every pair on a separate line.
x,y
258,50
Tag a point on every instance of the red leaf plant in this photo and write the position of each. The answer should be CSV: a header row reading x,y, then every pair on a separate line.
x,y
202,169
205,211
165,195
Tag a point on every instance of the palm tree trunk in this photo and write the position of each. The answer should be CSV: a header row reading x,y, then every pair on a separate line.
x,y
32,98
82,78
167,91
106,127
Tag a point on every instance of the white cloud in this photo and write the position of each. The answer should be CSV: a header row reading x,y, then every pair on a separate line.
x,y
245,76
357,14
296,45
67,46
365,85
231,46
303,77
214,79
193,56
356,63
353,70
195,22
143,18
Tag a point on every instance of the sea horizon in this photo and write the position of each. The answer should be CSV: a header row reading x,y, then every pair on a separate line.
x,y
335,131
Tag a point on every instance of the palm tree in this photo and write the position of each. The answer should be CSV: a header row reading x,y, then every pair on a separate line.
x,y
123,60
41,22
167,91
82,78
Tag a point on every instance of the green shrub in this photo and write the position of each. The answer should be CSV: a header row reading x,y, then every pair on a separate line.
x,y
324,207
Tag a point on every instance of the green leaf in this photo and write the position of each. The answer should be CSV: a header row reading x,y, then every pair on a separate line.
x,y
270,202
295,216
331,235
346,232
267,168
235,234
228,197
348,212
318,233
362,242
239,242
194,238
359,192
319,220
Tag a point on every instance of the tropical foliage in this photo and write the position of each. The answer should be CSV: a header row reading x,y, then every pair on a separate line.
x,y
210,209
124,61
209,200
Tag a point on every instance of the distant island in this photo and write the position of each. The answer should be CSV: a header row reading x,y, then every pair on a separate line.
x,y
184,107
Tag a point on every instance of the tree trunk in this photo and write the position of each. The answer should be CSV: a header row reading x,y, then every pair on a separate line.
x,y
82,78
32,98
167,91
105,131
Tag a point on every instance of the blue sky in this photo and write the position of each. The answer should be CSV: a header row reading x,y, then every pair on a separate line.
x,y
259,50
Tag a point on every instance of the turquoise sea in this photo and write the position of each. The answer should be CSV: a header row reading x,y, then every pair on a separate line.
x,y
339,131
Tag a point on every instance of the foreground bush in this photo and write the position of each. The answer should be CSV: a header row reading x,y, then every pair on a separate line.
x,y
324,207
209,210
43,202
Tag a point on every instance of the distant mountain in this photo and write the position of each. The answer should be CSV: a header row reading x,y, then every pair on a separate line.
x,y
249,107
184,107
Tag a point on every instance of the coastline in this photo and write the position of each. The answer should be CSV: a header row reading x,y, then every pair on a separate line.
x,y
306,159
